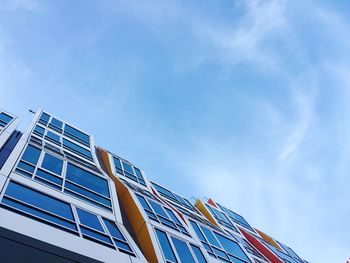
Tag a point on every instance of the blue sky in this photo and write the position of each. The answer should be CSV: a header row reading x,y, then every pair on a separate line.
x,y
246,102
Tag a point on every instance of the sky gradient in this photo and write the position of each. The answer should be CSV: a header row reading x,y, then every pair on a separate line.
x,y
246,102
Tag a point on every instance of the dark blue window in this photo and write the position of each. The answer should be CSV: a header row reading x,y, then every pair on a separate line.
x,y
144,203
232,247
4,119
77,149
198,231
38,130
52,163
158,209
53,137
39,205
89,220
87,179
87,193
76,135
118,165
44,118
56,123
165,192
26,167
199,255
48,176
96,236
210,237
10,144
118,237
113,229
182,250
31,154
129,171
165,245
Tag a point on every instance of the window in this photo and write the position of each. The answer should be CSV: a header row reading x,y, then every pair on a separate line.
x,y
4,119
161,214
118,237
76,135
52,211
38,130
44,118
174,197
232,248
238,219
56,125
127,170
53,137
182,250
219,246
31,154
77,149
38,205
52,163
82,184
199,255
118,165
165,245
221,217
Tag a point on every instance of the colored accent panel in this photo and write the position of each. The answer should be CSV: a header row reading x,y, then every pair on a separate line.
x,y
269,240
134,215
201,207
211,202
262,249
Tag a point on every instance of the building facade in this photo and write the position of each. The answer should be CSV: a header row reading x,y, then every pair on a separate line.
x,y
63,199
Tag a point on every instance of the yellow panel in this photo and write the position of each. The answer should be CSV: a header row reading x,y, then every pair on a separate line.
x,y
269,239
134,215
201,207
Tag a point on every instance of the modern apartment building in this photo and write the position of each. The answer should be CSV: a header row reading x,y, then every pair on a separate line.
x,y
63,199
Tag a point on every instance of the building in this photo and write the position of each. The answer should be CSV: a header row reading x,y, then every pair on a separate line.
x,y
63,199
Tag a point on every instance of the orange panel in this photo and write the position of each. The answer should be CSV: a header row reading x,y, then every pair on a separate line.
x,y
134,215
201,207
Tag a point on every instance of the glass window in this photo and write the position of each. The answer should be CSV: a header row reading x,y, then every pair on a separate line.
x,y
76,135
44,118
96,236
165,192
5,119
128,168
118,165
210,237
52,163
113,229
143,202
53,137
232,247
182,250
165,245
199,255
38,130
77,149
31,154
198,231
138,173
89,220
42,174
87,179
158,209
39,205
56,122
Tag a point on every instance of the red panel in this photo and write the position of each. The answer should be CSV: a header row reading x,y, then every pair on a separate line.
x,y
211,202
262,249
